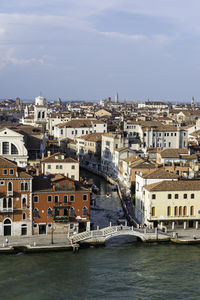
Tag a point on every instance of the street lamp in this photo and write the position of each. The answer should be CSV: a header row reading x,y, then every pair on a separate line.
x,y
52,235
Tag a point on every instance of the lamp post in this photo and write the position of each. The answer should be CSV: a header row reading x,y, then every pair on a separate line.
x,y
52,235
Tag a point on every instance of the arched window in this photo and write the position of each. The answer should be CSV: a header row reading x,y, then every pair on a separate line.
x,y
4,203
169,210
10,186
71,212
153,211
35,213
176,210
180,211
7,221
185,210
85,211
49,212
24,216
65,212
65,199
43,115
56,212
192,210
39,115
22,186
24,202
9,202
14,149
26,186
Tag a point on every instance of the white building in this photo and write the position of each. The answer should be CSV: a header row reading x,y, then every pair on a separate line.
x,y
12,146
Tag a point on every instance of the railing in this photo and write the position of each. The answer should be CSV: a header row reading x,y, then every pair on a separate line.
x,y
6,210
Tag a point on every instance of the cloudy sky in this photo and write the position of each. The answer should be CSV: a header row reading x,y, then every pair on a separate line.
x,y
91,49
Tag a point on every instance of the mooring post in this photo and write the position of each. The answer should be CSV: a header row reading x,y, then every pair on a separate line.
x,y
110,224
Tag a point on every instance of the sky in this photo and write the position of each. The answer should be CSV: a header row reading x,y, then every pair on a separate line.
x,y
91,49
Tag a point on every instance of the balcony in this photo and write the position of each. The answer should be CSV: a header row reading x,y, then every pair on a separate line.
x,y
6,210
10,193
63,219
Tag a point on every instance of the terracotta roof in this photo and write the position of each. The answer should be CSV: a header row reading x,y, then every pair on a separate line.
x,y
6,163
181,185
93,137
52,158
161,174
173,152
77,123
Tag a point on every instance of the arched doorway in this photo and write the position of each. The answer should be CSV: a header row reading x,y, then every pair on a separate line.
x,y
7,227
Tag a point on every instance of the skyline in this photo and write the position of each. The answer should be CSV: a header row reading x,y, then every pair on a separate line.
x,y
91,50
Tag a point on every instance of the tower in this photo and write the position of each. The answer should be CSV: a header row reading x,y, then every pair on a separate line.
x,y
116,98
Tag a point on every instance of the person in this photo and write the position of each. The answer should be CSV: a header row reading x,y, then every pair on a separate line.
x,y
7,241
121,226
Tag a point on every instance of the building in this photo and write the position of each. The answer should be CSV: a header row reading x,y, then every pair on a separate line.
x,y
12,146
15,200
172,204
60,204
59,163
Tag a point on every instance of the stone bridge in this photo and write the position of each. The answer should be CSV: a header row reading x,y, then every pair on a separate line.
x,y
101,235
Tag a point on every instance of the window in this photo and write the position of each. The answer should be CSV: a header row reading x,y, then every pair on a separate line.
x,y
24,202
5,172
26,186
35,213
65,212
24,216
56,212
24,229
108,143
11,171
71,212
35,199
2,182
85,197
65,198
71,226
63,185
48,166
185,210
185,196
169,196
49,198
57,167
169,144
176,210
72,177
56,198
70,185
22,186
49,212
9,202
169,210
14,149
85,211
5,147
176,196
192,210
10,187
61,131
153,196
180,211
192,196
61,167
57,185
73,167
4,203
171,133
71,197
153,211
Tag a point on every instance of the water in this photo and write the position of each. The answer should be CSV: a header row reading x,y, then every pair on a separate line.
x,y
136,271
124,271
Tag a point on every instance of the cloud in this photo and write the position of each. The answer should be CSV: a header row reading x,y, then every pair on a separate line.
x,y
122,36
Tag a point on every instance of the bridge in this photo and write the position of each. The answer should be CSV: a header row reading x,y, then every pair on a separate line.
x,y
100,236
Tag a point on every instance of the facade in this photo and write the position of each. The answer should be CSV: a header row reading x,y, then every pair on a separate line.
x,y
12,146
89,150
60,204
172,204
59,163
79,127
15,200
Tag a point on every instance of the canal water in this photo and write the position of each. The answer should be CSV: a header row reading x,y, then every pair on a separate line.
x,y
124,271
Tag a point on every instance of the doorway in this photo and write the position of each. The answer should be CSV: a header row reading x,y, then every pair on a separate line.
x,y
7,227
42,229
